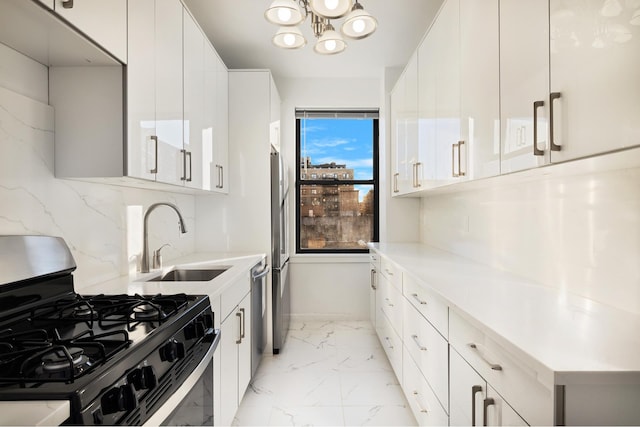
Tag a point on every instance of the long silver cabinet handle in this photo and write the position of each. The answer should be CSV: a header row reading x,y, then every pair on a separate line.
x,y
460,171
154,138
417,298
373,279
474,390
536,150
239,316
493,366
485,418
243,330
418,165
552,143
395,183
190,167
415,396
420,346
184,165
221,176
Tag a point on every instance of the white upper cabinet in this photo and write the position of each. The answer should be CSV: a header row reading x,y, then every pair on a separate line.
x,y
399,159
105,22
446,29
221,129
595,58
524,83
198,143
479,88
427,109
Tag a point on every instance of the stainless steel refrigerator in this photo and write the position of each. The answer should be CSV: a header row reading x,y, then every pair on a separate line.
x,y
281,292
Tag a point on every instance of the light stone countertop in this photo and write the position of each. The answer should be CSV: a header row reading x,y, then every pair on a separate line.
x,y
573,339
54,412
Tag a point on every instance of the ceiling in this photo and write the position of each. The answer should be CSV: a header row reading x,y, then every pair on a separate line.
x,y
242,37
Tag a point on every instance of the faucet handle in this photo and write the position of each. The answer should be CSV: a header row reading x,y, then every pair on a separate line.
x,y
157,258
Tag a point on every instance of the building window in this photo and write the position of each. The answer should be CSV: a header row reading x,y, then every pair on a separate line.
x,y
341,147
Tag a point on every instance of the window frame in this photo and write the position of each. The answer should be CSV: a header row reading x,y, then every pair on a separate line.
x,y
374,182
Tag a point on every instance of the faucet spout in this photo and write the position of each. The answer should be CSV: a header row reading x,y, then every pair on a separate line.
x,y
144,264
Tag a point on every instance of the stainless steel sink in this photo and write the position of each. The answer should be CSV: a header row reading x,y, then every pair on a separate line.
x,y
189,275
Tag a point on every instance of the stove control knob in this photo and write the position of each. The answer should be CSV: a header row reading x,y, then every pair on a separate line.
x,y
171,351
143,378
118,399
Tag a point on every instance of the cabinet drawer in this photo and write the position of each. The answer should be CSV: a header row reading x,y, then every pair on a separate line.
x,y
392,272
392,305
232,296
519,381
431,306
424,404
429,351
392,346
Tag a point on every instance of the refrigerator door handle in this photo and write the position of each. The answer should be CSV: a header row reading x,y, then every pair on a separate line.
x,y
262,273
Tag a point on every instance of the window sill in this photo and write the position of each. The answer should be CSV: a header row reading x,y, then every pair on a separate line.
x,y
329,258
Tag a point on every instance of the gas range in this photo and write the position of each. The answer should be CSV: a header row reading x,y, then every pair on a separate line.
x,y
116,358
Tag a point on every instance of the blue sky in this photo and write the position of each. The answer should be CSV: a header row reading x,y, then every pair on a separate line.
x,y
343,141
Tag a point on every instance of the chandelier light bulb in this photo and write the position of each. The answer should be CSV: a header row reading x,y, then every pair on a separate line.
x,y
331,4
289,39
330,42
358,26
284,15
330,45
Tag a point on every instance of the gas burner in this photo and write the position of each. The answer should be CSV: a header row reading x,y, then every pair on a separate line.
x,y
147,311
83,312
59,360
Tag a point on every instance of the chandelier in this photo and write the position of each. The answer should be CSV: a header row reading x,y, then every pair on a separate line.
x,y
357,24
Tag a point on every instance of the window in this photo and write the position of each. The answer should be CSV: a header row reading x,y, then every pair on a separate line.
x,y
337,154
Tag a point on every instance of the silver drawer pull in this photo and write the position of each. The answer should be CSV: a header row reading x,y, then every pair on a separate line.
x,y
388,302
420,346
493,366
415,396
389,342
417,298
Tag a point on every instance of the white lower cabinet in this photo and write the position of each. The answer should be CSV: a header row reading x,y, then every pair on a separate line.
x,y
429,350
374,264
234,350
473,401
423,402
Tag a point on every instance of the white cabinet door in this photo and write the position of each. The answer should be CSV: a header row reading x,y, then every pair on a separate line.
x,y
105,22
467,392
373,286
228,349
524,83
221,130
155,95
447,64
244,347
480,88
169,93
415,162
427,109
195,93
595,58
210,174
141,92
400,167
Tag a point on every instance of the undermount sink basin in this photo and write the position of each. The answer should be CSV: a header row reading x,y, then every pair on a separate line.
x,y
190,275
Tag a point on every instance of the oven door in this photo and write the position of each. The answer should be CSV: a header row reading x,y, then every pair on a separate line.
x,y
192,403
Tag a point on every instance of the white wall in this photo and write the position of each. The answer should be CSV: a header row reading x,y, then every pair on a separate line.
x,y
579,233
321,287
100,223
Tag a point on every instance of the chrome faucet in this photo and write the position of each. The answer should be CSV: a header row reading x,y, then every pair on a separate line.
x,y
144,264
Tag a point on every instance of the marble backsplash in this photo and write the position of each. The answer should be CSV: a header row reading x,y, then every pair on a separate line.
x,y
578,233
102,224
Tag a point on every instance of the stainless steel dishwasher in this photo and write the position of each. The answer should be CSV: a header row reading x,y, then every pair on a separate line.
x,y
258,313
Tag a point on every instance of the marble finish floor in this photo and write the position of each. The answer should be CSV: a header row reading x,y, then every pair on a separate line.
x,y
330,373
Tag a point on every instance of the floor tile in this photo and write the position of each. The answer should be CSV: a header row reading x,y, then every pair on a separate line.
x,y
328,373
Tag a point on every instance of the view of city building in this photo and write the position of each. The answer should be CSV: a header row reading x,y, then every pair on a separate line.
x,y
332,215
